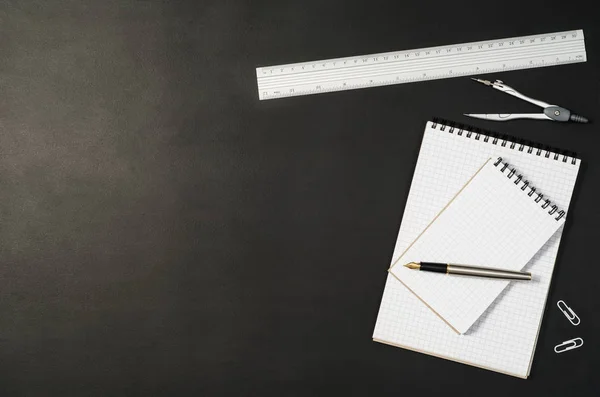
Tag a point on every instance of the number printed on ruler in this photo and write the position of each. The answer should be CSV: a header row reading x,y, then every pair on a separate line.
x,y
399,67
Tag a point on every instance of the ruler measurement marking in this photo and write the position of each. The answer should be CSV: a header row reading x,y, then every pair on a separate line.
x,y
548,51
265,69
429,77
392,82
393,72
416,78
420,64
411,67
439,48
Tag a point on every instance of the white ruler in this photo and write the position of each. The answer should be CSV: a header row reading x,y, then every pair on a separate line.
x,y
399,67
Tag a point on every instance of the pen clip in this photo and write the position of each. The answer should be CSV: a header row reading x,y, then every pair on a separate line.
x,y
568,312
568,345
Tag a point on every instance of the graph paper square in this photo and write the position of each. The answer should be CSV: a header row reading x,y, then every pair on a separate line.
x,y
503,338
491,222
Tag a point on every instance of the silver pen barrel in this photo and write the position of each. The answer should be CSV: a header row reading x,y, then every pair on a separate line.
x,y
487,272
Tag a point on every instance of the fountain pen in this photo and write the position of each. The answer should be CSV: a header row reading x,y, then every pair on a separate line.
x,y
464,270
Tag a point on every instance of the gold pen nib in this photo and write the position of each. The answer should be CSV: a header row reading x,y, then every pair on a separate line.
x,y
413,265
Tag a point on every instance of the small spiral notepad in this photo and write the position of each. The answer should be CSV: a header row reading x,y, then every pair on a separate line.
x,y
498,219
503,338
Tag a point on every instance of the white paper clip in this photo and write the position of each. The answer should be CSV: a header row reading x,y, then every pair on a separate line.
x,y
568,312
568,345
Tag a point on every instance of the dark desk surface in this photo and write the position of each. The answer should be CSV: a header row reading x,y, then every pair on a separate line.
x,y
165,233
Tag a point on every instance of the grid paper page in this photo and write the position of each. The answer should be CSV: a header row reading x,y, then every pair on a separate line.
x,y
503,338
492,222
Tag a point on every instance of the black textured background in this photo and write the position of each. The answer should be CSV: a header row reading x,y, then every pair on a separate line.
x,y
165,233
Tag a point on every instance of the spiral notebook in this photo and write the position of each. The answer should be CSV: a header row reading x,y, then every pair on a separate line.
x,y
498,219
503,338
